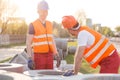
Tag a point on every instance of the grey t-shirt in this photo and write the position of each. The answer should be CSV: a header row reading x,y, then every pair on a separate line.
x,y
31,28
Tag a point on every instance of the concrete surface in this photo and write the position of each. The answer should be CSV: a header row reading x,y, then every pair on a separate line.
x,y
6,75
10,52
36,75
50,75
12,67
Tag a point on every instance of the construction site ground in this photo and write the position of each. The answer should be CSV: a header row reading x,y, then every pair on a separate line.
x,y
10,52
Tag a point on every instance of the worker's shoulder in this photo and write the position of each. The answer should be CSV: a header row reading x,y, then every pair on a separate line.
x,y
84,32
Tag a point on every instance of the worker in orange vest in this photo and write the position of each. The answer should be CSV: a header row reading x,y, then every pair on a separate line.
x,y
94,47
40,41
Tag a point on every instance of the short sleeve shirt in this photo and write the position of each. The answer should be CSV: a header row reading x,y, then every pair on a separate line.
x,y
31,28
85,38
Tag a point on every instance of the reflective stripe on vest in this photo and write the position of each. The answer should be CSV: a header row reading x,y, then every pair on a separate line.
x,y
43,37
42,43
101,48
99,53
94,48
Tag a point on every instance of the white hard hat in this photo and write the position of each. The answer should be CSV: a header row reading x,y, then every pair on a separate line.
x,y
43,5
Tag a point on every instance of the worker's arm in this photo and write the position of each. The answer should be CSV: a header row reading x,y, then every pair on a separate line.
x,y
31,64
29,45
78,58
54,45
56,54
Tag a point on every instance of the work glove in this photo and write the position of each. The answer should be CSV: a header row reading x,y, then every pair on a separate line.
x,y
31,64
58,62
58,59
69,73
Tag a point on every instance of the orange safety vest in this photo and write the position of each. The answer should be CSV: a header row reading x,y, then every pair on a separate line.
x,y
43,38
100,49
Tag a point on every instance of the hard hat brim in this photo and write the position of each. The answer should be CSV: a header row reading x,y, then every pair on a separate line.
x,y
76,28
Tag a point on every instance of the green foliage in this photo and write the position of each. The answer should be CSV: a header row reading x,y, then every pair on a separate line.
x,y
14,28
85,67
103,30
106,31
74,43
58,31
70,58
117,28
5,60
9,25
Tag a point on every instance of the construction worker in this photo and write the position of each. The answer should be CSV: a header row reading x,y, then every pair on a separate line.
x,y
40,41
95,48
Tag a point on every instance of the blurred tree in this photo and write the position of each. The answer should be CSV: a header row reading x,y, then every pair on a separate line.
x,y
117,33
81,17
7,9
103,30
58,31
117,29
2,7
97,27
16,26
106,31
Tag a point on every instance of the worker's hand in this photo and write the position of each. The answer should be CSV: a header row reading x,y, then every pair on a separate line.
x,y
58,62
69,73
31,64
58,59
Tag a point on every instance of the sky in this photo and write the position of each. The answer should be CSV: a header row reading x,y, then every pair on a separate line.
x,y
104,12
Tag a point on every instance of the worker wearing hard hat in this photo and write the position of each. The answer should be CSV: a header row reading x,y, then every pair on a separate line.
x,y
40,40
94,47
